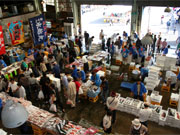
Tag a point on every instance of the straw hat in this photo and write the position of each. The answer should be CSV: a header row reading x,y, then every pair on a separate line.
x,y
136,122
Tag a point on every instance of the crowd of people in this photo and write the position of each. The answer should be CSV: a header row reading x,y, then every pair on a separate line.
x,y
53,60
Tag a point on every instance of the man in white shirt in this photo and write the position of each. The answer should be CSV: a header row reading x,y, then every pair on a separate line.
x,y
21,90
85,63
112,103
13,86
145,114
101,34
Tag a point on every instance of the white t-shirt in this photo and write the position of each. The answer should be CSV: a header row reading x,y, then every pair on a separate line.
x,y
112,102
22,92
84,60
145,114
13,86
45,59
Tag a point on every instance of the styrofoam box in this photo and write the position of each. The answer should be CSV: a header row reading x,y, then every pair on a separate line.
x,y
155,68
115,68
149,88
174,68
132,64
170,118
162,121
174,97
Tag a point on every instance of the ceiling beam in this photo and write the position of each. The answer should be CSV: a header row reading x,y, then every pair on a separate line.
x,y
165,3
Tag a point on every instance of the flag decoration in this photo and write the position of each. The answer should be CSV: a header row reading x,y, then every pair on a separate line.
x,y
38,29
16,32
2,46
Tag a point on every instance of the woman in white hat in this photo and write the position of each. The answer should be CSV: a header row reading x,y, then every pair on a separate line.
x,y
137,128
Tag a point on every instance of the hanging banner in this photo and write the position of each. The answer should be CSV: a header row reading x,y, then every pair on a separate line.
x,y
38,28
16,32
2,46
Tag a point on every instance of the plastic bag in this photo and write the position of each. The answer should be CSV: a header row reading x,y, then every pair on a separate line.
x,y
41,95
68,102
53,108
80,91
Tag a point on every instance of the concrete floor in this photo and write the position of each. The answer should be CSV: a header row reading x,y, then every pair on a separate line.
x,y
94,112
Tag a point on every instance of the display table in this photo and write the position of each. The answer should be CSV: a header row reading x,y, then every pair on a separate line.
x,y
79,64
169,117
45,122
100,56
15,68
55,81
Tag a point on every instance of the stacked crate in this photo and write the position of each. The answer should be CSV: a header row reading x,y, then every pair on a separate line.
x,y
120,106
128,105
136,105
152,80
163,117
170,117
156,114
177,120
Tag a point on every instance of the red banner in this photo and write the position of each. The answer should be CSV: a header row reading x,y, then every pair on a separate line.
x,y
2,46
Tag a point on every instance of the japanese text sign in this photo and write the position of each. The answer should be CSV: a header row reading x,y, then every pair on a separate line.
x,y
16,32
38,28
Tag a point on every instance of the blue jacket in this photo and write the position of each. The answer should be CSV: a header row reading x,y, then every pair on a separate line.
x,y
144,71
105,86
178,54
125,34
165,51
96,79
30,51
45,43
18,58
135,91
141,51
178,77
56,71
35,55
75,73
125,53
112,49
0,103
120,43
3,63
82,75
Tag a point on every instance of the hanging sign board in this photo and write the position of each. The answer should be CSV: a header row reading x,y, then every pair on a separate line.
x,y
38,29
2,46
16,32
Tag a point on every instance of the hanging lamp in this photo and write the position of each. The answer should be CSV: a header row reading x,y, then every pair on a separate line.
x,y
13,114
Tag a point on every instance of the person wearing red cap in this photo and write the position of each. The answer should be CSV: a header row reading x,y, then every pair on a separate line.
x,y
112,103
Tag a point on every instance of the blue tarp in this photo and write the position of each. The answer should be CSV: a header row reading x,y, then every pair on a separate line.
x,y
127,85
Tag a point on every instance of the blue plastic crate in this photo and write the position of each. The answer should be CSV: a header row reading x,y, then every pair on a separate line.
x,y
94,94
